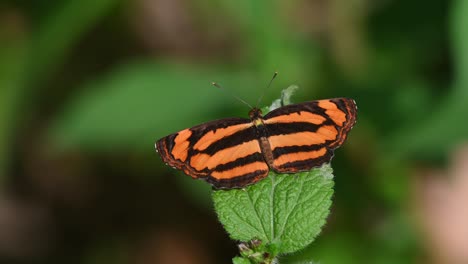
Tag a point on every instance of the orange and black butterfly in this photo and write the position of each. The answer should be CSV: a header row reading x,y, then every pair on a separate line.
x,y
235,152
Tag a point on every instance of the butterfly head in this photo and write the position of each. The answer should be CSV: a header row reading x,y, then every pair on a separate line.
x,y
256,116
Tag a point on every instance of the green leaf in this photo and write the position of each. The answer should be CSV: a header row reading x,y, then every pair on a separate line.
x,y
304,262
137,103
285,99
284,211
241,260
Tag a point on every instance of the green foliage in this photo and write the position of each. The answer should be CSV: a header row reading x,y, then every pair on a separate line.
x,y
13,53
285,99
286,211
241,260
431,134
60,31
459,34
23,65
127,109
274,45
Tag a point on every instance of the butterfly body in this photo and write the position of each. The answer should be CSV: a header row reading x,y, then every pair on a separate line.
x,y
235,152
262,134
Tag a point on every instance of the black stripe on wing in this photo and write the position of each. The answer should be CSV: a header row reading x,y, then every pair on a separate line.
x,y
305,165
239,181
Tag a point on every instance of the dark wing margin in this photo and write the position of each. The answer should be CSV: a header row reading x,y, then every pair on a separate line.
x,y
225,153
303,136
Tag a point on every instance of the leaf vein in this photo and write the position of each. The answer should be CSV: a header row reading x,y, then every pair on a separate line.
x,y
256,213
245,221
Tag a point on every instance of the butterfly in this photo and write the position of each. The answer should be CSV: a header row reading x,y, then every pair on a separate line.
x,y
235,152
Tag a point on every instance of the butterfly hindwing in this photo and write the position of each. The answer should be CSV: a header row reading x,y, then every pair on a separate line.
x,y
226,152
303,136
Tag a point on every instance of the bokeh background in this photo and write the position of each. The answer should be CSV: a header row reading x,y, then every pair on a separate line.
x,y
87,86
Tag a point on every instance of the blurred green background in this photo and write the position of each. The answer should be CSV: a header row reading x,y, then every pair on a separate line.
x,y
86,87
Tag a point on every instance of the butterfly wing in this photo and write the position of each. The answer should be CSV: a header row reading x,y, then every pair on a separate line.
x,y
225,153
303,136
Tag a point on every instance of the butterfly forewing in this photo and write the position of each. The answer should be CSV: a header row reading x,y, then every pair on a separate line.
x,y
226,152
303,136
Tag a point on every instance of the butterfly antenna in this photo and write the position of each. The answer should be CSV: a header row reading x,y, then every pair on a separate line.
x,y
230,93
269,84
